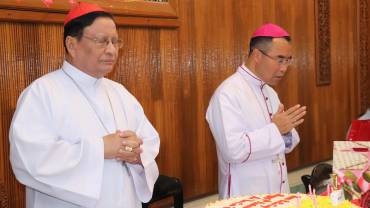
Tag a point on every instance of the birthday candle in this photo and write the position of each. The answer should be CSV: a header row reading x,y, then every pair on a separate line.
x,y
328,189
314,199
298,199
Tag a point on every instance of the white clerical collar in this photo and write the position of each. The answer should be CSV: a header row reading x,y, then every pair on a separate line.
x,y
81,77
250,76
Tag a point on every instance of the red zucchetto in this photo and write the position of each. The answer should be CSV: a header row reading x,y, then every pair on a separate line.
x,y
270,30
81,8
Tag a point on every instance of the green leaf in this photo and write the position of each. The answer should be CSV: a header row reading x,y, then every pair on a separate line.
x,y
356,188
347,191
366,176
347,195
350,175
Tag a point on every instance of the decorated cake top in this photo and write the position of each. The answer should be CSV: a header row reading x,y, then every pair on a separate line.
x,y
279,201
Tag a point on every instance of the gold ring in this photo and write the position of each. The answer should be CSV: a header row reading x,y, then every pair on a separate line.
x,y
128,148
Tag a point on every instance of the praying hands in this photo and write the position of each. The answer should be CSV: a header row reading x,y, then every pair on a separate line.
x,y
289,119
124,146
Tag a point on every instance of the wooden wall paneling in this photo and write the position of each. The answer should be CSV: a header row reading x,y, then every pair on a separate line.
x,y
344,68
282,16
303,40
174,72
138,12
294,89
3,196
27,56
42,17
216,60
308,94
30,16
128,8
187,62
168,108
6,110
323,99
353,92
214,54
152,78
147,67
3,128
171,161
195,108
3,171
7,89
364,52
322,34
321,102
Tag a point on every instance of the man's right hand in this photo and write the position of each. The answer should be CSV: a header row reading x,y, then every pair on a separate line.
x,y
289,119
123,146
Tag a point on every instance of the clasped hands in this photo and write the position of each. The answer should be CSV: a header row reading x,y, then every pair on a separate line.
x,y
123,146
289,119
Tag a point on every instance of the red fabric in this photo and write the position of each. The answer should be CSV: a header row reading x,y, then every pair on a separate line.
x,y
81,8
270,30
360,130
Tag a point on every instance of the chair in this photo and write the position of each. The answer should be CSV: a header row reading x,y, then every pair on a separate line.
x,y
306,181
164,187
319,175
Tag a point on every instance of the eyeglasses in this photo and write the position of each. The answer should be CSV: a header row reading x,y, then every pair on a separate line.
x,y
281,60
104,42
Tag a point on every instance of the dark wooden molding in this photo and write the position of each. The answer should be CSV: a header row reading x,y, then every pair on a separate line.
x,y
137,12
322,24
45,17
364,54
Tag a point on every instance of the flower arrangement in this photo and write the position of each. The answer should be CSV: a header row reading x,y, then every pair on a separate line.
x,y
354,186
357,187
351,165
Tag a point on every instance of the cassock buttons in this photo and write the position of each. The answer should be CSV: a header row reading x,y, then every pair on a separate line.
x,y
270,114
266,98
283,164
283,181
